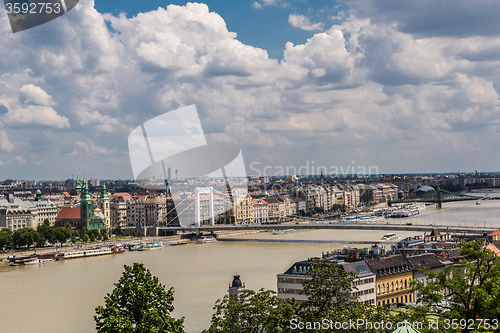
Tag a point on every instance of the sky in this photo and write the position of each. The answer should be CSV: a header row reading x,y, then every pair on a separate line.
x,y
391,86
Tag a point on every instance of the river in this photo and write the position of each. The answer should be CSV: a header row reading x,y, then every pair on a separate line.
x,y
61,296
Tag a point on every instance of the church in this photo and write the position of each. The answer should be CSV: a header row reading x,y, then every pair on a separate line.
x,y
89,215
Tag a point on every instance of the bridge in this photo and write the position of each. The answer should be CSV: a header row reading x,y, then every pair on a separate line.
x,y
438,196
476,230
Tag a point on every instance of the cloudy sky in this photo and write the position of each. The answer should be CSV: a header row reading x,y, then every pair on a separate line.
x,y
403,86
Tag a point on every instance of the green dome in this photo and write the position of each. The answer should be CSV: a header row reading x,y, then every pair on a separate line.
x,y
38,192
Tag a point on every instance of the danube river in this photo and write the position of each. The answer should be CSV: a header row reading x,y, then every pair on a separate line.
x,y
61,296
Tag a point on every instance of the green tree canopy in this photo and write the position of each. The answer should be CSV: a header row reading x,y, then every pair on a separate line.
x,y
5,239
252,311
138,304
62,234
468,291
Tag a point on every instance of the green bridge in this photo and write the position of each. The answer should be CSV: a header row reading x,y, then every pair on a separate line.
x,y
438,196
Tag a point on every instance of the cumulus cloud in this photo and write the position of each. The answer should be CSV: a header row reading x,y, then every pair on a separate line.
x,y
368,85
36,115
32,94
5,144
302,22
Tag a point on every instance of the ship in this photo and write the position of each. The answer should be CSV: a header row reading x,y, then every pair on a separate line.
x,y
390,236
90,252
206,239
150,246
31,259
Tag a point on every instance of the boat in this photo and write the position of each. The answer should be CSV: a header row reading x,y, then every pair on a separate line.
x,y
90,252
150,246
33,261
177,242
390,236
478,202
206,239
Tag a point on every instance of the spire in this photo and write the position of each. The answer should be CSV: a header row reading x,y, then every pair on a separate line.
x,y
85,190
78,187
104,193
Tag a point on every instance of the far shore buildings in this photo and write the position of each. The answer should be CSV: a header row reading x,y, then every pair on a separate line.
x,y
16,213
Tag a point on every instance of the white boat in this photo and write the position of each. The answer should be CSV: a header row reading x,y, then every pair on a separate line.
x,y
206,239
390,236
34,261
478,202
150,246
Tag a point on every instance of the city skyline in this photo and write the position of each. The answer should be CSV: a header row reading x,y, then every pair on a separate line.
x,y
407,88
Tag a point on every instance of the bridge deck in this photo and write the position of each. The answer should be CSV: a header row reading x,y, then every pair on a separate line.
x,y
334,225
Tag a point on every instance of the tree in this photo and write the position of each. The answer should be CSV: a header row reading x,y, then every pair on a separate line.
x,y
85,238
327,287
252,311
5,238
26,237
62,235
118,231
104,234
139,303
47,232
466,291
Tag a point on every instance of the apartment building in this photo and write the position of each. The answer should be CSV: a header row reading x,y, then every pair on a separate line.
x,y
290,282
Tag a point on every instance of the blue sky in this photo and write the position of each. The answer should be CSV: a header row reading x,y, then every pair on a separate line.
x,y
396,86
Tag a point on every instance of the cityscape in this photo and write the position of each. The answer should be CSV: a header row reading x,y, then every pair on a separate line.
x,y
249,166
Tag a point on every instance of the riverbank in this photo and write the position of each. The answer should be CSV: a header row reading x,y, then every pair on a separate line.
x,y
71,246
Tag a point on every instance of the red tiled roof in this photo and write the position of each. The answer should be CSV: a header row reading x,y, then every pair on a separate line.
x,y
122,194
495,233
66,194
69,213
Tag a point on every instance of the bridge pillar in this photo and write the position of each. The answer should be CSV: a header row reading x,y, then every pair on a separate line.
x,y
438,197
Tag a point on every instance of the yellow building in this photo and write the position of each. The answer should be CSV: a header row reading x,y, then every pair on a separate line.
x,y
394,275
243,210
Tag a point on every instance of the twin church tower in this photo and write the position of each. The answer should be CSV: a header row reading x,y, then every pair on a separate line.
x,y
90,217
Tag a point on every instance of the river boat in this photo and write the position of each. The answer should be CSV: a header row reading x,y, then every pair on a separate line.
x,y
206,239
90,252
150,246
177,242
390,236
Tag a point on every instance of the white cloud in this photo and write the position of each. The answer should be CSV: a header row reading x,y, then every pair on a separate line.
x,y
32,94
360,88
302,22
19,160
36,115
5,144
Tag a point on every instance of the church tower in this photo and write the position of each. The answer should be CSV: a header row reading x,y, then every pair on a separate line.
x,y
86,207
105,209
78,189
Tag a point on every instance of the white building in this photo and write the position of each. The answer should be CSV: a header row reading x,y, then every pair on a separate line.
x,y
290,282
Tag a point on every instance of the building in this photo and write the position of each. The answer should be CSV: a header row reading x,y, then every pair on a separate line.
x,y
290,282
243,210
236,287
420,261
393,277
260,211
46,209
17,214
69,215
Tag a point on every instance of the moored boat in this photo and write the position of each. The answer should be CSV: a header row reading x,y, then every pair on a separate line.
x,y
390,236
90,252
206,239
150,246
